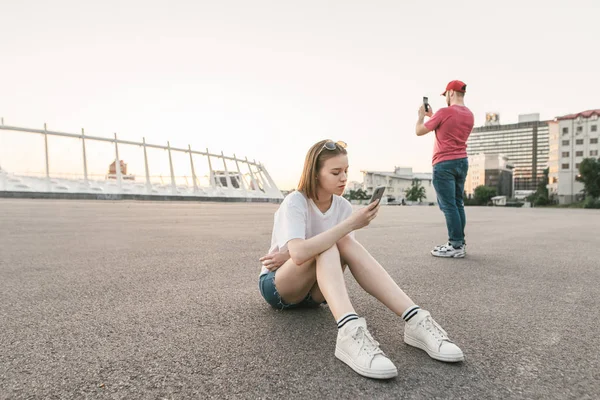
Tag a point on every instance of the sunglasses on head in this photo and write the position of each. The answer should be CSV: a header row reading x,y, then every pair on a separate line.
x,y
331,145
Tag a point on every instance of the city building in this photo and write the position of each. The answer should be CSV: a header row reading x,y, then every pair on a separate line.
x,y
492,170
397,182
553,158
525,144
573,137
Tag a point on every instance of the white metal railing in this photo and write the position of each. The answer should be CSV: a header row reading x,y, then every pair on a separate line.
x,y
246,178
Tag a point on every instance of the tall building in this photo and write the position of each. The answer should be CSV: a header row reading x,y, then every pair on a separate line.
x,y
525,144
397,182
573,138
492,170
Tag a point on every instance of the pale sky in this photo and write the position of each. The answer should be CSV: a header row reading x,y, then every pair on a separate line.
x,y
268,78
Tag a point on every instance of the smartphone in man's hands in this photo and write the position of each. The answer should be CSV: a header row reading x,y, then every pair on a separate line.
x,y
426,103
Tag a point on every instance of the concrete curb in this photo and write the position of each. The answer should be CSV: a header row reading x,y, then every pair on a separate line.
x,y
141,197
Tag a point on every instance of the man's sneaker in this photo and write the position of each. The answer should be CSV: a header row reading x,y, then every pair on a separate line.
x,y
356,347
426,334
449,251
439,246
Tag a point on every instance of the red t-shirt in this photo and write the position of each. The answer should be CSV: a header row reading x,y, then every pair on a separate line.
x,y
452,126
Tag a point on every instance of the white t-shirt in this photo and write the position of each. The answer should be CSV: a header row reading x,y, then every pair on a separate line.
x,y
299,218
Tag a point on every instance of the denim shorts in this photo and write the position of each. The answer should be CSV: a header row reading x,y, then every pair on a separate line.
x,y
266,285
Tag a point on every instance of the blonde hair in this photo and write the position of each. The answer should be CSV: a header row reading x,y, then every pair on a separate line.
x,y
314,161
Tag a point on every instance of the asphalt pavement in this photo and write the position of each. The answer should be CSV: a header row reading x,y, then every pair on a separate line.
x,y
153,300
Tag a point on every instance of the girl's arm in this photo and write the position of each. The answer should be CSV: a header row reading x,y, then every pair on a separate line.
x,y
274,260
302,250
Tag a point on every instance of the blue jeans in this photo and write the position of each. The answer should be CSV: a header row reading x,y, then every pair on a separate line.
x,y
449,183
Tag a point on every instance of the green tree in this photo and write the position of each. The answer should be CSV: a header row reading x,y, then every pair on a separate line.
x,y
359,194
483,194
589,174
541,196
415,192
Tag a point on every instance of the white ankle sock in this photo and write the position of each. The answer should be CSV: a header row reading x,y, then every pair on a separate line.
x,y
346,318
410,312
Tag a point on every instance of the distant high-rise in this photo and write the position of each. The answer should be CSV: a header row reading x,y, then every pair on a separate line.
x,y
525,144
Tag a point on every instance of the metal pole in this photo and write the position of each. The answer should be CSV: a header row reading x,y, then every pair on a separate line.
x,y
173,187
572,160
271,181
2,175
254,182
261,178
240,174
85,170
46,147
212,177
263,173
118,164
148,184
193,171
227,177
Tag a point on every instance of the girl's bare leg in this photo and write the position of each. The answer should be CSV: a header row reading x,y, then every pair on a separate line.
x,y
323,277
371,276
330,276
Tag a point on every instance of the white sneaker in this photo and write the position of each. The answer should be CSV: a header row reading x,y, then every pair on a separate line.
x,y
426,334
356,347
449,251
439,246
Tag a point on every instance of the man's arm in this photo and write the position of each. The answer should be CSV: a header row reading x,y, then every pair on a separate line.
x,y
420,128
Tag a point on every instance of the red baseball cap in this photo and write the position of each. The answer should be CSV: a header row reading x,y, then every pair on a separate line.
x,y
457,86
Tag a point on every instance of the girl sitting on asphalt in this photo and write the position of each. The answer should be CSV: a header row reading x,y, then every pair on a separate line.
x,y
313,242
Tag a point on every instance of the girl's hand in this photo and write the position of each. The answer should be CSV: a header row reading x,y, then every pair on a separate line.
x,y
275,260
364,216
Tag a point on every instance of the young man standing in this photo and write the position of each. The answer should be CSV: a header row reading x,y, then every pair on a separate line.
x,y
452,126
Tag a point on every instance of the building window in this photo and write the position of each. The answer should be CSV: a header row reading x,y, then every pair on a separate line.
x,y
565,131
579,141
594,128
565,142
593,153
565,154
579,129
565,166
577,166
579,154
594,141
